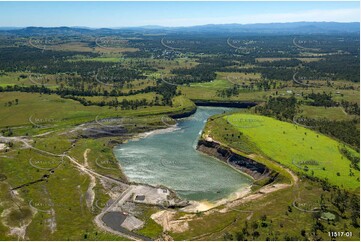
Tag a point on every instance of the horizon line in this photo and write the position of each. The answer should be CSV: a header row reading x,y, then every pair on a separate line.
x,y
162,26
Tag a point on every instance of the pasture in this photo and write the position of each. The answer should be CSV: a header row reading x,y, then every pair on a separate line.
x,y
298,148
52,112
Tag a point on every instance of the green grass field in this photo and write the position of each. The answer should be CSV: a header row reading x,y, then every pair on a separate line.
x,y
28,79
213,85
98,59
51,111
297,147
333,113
227,80
149,96
208,92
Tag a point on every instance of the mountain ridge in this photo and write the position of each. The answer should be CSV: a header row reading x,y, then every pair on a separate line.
x,y
288,27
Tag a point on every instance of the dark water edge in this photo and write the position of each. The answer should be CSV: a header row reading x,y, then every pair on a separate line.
x,y
246,165
213,104
225,104
184,114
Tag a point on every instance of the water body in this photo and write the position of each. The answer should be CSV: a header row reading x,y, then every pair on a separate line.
x,y
171,159
114,221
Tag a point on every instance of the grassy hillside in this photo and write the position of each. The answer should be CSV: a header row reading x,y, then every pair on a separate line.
x,y
298,148
51,111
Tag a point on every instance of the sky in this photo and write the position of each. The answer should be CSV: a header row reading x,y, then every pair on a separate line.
x,y
130,14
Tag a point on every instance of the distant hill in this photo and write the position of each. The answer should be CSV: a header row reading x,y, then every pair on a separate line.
x,y
292,28
50,30
267,28
9,28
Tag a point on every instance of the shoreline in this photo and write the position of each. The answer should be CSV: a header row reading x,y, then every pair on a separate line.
x,y
240,163
195,205
230,104
152,132
225,163
206,205
198,205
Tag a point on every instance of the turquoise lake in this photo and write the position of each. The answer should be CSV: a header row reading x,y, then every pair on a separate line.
x,y
171,159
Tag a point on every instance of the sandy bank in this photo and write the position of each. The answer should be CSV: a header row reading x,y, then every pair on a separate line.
x,y
205,205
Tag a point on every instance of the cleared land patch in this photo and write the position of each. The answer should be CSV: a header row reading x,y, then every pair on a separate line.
x,y
334,113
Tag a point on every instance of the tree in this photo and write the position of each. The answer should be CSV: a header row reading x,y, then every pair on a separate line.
x,y
355,210
227,236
